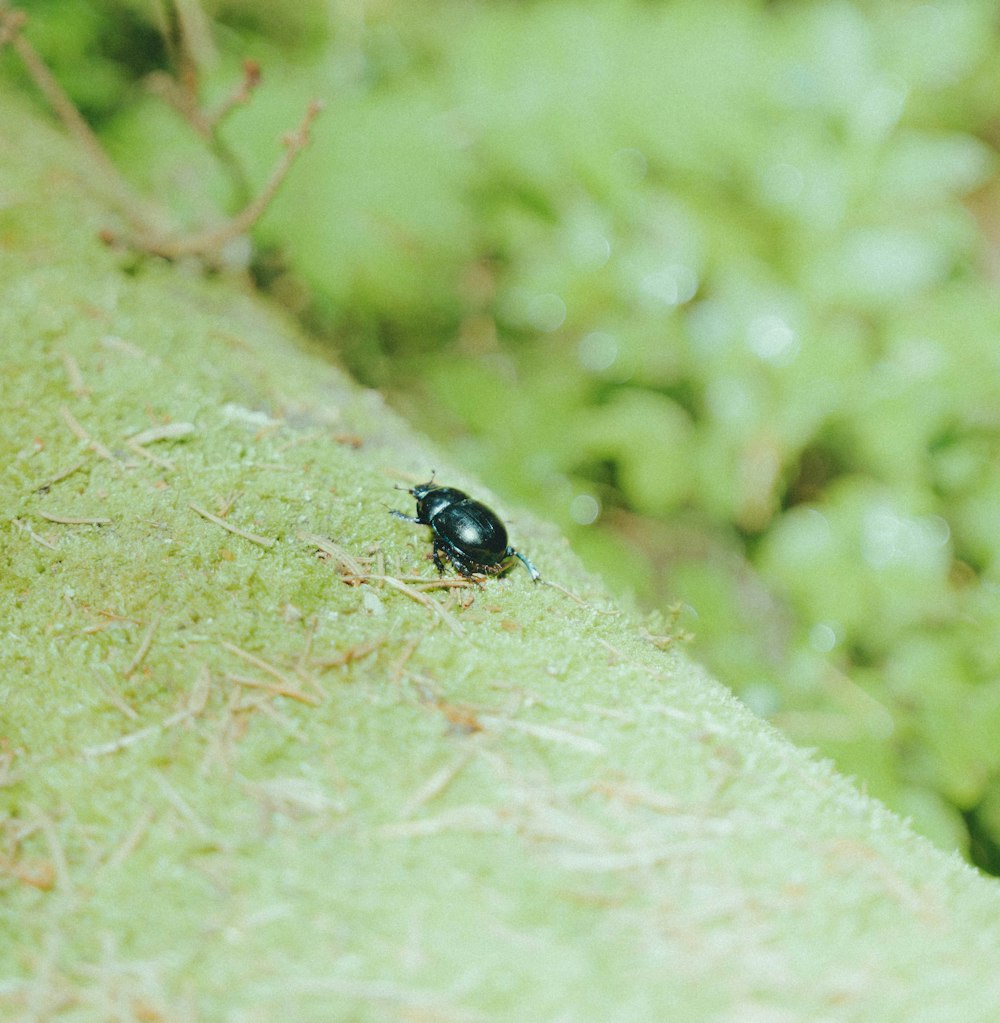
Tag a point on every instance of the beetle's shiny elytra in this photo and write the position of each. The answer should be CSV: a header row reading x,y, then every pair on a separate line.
x,y
470,535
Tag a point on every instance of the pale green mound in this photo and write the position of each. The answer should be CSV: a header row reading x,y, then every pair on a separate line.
x,y
235,787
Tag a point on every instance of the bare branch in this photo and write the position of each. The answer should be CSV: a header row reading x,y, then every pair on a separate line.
x,y
212,241
146,231
237,98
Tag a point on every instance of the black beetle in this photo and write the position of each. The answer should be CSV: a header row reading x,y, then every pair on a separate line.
x,y
468,533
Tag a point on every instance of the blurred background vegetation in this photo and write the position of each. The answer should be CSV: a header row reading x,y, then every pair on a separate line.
x,y
713,286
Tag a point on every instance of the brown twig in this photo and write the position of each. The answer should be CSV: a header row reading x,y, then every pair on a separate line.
x,y
76,382
43,488
263,541
348,656
420,598
237,98
258,662
354,574
81,434
348,565
74,520
144,646
275,689
25,528
147,232
182,94
212,241
169,431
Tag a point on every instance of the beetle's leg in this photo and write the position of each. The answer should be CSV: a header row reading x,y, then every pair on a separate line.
x,y
438,563
474,575
464,568
405,518
535,574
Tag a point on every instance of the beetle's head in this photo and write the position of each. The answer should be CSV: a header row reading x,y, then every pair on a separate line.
x,y
421,490
432,498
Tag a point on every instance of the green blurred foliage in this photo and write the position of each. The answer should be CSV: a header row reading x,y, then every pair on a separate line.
x,y
711,285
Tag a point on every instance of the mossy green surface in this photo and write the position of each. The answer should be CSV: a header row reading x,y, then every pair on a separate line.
x,y
235,787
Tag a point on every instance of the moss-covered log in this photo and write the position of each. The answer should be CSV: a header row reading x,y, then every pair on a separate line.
x,y
251,769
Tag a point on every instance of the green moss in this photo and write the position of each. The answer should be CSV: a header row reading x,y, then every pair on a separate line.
x,y
709,266
233,786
